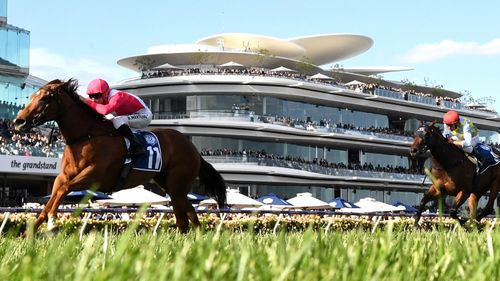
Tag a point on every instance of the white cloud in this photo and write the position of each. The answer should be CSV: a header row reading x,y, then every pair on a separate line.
x,y
448,48
49,66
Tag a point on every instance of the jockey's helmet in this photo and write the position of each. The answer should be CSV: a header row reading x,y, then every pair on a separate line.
x,y
98,86
451,117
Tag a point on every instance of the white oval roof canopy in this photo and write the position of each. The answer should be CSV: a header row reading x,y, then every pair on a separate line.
x,y
254,43
328,48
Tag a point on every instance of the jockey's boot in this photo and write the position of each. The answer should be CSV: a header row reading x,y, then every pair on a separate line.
x,y
479,157
136,148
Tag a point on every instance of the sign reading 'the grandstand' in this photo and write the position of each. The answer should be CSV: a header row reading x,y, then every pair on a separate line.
x,y
30,165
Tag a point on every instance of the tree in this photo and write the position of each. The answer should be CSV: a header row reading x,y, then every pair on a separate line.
x,y
144,63
262,54
337,72
200,57
467,98
304,65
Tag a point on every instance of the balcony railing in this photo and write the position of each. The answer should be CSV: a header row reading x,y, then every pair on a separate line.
x,y
315,168
249,116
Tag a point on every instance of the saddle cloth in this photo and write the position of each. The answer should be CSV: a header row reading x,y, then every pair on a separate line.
x,y
490,158
151,160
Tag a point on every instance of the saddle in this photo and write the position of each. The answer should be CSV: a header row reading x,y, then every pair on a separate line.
x,y
483,157
151,161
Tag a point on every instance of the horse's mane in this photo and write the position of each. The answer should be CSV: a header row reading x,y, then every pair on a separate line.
x,y
70,87
439,132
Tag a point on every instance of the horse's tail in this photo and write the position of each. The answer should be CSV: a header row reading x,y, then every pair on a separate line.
x,y
213,182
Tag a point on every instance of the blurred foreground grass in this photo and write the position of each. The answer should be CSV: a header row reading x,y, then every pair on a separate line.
x,y
384,254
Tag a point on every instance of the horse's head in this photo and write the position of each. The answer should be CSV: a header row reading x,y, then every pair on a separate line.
x,y
423,138
46,104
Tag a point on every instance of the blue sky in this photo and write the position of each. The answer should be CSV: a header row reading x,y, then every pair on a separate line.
x,y
451,43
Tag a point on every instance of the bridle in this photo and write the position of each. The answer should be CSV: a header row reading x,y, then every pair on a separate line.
x,y
41,118
422,134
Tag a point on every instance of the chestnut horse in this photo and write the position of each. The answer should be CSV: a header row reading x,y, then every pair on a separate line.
x,y
94,154
453,173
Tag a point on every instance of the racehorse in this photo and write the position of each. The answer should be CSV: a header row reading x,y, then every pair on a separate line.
x,y
453,173
94,154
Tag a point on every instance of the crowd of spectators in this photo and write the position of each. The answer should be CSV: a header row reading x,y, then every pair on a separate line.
x,y
258,155
311,125
9,110
368,88
34,143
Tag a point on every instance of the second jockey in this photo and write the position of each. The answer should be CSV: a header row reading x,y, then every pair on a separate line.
x,y
124,109
462,133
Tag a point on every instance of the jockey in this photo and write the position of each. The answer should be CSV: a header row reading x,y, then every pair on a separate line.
x,y
124,109
462,133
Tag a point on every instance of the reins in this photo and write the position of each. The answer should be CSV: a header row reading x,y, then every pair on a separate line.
x,y
85,137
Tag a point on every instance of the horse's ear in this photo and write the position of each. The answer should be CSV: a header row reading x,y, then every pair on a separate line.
x,y
433,123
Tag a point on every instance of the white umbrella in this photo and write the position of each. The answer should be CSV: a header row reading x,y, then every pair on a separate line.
x,y
282,69
237,200
136,196
232,65
369,204
166,66
354,83
307,201
321,76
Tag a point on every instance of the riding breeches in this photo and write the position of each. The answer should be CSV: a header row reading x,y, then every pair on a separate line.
x,y
138,120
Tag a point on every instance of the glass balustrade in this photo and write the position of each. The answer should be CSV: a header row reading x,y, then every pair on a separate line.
x,y
342,172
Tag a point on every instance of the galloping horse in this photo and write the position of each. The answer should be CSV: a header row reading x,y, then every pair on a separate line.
x,y
454,173
94,154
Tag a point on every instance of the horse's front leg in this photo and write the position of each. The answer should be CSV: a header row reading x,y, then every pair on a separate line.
x,y
459,200
43,214
78,182
431,193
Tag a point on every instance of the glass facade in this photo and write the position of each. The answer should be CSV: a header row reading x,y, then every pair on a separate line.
x,y
3,10
292,111
14,47
14,67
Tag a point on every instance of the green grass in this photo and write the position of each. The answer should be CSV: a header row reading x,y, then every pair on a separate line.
x,y
231,255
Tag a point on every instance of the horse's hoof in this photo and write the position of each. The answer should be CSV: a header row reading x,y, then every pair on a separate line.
x,y
52,232
471,224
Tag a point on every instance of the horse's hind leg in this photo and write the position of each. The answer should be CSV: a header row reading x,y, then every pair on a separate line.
x,y
183,210
488,209
180,205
